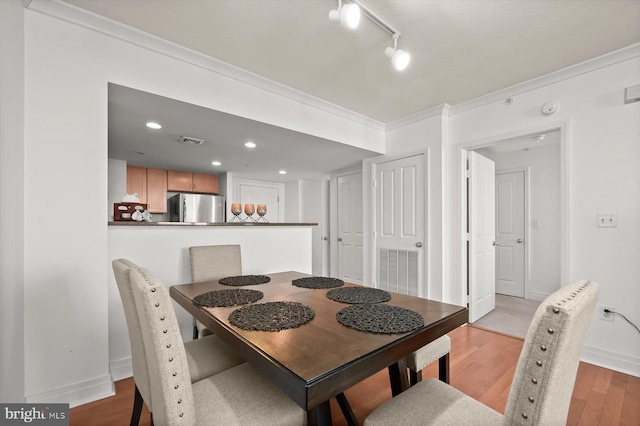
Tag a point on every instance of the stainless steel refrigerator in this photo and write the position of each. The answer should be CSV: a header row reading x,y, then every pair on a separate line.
x,y
196,208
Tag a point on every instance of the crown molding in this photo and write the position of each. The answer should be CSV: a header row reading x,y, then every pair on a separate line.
x,y
78,16
590,65
438,110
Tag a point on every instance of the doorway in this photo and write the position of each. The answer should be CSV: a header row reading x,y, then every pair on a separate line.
x,y
531,188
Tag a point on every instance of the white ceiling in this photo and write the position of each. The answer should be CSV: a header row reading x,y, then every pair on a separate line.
x,y
302,156
461,49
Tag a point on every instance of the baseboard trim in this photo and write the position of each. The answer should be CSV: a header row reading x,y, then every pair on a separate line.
x,y
613,361
76,393
121,369
534,295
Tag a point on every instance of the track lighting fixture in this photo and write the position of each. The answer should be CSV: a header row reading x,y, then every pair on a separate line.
x,y
348,15
399,58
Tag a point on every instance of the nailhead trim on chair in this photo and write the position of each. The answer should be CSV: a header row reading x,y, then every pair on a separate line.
x,y
540,368
152,284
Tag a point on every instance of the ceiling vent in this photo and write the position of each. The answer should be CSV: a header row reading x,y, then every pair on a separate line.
x,y
190,141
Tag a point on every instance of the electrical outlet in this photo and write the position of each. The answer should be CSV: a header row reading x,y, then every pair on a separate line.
x,y
607,316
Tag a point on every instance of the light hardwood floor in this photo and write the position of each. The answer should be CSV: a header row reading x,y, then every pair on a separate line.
x,y
482,366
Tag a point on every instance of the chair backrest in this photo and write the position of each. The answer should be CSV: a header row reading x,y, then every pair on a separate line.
x,y
121,268
210,263
171,388
546,372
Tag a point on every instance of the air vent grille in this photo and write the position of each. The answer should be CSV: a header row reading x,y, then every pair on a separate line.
x,y
190,141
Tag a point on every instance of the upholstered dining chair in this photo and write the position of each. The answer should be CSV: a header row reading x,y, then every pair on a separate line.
x,y
543,383
439,350
205,357
237,396
209,263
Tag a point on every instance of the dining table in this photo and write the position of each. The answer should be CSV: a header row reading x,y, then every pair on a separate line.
x,y
321,358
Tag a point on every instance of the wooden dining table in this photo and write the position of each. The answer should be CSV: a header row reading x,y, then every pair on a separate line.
x,y
320,359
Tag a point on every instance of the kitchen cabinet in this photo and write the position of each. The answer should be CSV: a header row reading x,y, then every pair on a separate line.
x,y
192,182
137,182
150,185
157,190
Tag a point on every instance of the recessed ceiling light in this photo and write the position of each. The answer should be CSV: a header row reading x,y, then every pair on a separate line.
x,y
250,145
153,125
283,172
216,163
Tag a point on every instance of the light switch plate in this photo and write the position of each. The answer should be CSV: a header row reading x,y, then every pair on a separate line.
x,y
607,220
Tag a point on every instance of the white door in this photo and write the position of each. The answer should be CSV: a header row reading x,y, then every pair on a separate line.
x,y
400,218
349,239
510,233
261,194
482,224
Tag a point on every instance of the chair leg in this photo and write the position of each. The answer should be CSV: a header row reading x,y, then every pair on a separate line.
x,y
347,412
414,377
443,369
137,408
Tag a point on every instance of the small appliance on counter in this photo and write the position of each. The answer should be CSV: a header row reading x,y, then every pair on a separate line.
x,y
196,208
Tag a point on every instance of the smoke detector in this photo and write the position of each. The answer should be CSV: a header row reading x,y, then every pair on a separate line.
x,y
190,141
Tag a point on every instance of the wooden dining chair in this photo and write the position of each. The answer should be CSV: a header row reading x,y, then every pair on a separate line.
x,y
205,357
210,263
543,383
236,396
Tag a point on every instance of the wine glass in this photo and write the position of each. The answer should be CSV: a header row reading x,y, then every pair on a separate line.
x,y
249,209
262,211
236,209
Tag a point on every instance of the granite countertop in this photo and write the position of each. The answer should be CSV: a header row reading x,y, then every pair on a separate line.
x,y
134,223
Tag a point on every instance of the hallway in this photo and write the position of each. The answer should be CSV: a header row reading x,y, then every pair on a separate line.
x,y
512,316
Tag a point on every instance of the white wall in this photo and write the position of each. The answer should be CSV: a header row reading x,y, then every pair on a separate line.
x,y
12,364
603,137
164,250
543,165
67,70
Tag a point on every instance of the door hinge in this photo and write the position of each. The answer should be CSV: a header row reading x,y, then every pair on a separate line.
x,y
468,236
374,234
374,183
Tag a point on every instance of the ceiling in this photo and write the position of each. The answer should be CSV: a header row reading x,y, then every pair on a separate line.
x,y
302,156
461,49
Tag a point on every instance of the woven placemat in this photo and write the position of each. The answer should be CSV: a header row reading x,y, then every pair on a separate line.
x,y
231,297
271,316
241,280
358,295
317,282
380,318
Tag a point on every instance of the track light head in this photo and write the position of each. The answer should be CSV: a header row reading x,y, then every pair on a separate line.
x,y
348,15
399,58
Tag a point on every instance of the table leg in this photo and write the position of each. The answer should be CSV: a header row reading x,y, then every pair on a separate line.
x,y
319,415
347,412
398,377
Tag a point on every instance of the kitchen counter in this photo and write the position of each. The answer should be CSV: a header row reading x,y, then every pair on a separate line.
x,y
223,224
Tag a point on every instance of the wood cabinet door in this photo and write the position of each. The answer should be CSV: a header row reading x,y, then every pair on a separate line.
x,y
179,181
157,190
206,184
137,182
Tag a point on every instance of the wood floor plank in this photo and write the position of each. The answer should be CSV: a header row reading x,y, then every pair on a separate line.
x,y
612,410
599,396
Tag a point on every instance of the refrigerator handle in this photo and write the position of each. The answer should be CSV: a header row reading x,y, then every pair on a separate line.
x,y
184,210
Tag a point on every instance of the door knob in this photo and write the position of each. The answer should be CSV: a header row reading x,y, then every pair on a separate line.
x,y
339,239
325,238
519,240
495,243
418,244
